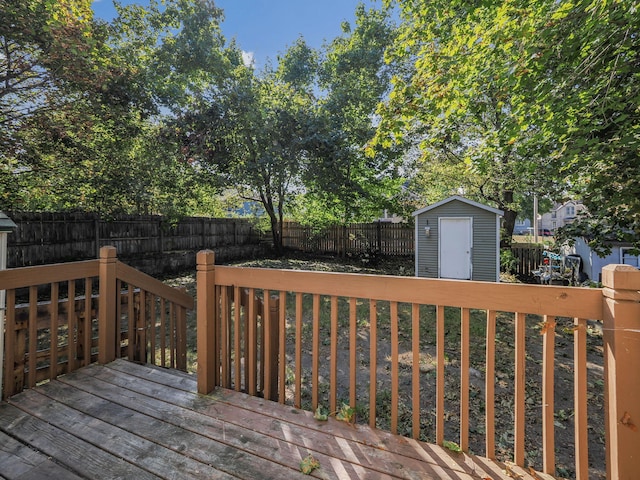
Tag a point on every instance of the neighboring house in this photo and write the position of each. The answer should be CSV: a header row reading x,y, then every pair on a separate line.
x,y
458,238
522,227
561,215
390,218
593,263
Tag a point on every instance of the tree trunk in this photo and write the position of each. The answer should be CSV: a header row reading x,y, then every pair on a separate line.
x,y
509,219
276,227
276,234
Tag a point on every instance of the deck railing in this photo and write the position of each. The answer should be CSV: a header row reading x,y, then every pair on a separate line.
x,y
419,341
61,317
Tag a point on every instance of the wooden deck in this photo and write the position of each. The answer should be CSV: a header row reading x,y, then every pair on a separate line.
x,y
125,420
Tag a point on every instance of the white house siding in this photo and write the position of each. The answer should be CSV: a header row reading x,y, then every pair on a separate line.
x,y
561,215
593,263
484,258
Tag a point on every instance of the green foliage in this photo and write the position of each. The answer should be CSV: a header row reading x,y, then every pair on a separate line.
x,y
309,464
455,100
252,137
342,183
452,446
508,261
533,97
78,137
346,414
593,93
321,414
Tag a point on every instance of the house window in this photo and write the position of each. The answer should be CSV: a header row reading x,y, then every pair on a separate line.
x,y
553,225
628,259
553,214
571,210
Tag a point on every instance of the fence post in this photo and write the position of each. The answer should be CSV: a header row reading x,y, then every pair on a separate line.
x,y
107,306
208,363
621,336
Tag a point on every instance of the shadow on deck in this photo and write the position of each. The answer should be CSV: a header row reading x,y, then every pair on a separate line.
x,y
125,420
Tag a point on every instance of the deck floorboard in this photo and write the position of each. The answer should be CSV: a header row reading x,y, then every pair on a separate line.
x,y
125,420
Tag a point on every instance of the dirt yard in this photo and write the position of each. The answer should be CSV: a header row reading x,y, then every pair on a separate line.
x,y
564,427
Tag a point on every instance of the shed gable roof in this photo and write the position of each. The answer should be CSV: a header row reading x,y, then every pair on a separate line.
x,y
459,199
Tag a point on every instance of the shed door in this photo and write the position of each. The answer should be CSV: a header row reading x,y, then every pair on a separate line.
x,y
455,244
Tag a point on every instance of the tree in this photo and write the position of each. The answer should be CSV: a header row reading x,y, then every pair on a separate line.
x,y
455,98
535,96
176,50
344,184
251,135
586,63
85,113
50,57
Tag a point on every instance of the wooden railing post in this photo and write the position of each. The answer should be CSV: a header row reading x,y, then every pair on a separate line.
x,y
621,332
107,306
206,322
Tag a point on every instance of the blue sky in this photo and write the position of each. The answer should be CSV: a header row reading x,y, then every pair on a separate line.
x,y
265,28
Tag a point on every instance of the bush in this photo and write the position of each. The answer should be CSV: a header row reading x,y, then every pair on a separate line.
x,y
508,261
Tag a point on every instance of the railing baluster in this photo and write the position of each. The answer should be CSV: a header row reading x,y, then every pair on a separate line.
x,y
393,309
71,326
373,360
262,312
236,338
33,334
415,369
245,347
152,329
172,339
520,382
548,404
224,337
163,333
315,363
333,376
298,379
253,343
53,326
353,365
181,340
131,322
464,380
282,347
118,323
580,397
440,375
267,350
140,346
12,383
88,323
490,383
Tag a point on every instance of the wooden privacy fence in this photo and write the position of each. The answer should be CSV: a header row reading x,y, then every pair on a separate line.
x,y
62,317
361,238
529,257
323,327
58,237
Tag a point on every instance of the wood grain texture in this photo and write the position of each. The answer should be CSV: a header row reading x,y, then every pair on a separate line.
x,y
504,297
125,420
